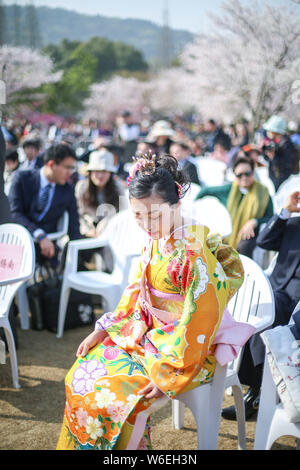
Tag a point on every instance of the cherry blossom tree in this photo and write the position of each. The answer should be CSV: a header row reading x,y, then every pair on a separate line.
x,y
109,98
24,69
167,92
248,64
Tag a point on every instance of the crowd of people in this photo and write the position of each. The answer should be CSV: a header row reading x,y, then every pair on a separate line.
x,y
82,167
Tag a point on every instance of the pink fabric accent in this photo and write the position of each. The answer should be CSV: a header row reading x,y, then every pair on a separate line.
x,y
230,337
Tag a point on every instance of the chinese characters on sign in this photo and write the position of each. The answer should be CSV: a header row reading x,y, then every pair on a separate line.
x,y
10,261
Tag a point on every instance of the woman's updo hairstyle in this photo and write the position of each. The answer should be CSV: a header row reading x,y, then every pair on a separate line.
x,y
157,175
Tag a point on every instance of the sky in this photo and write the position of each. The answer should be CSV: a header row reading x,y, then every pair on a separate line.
x,y
191,15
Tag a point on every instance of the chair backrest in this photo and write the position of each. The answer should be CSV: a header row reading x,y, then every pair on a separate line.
x,y
16,236
62,228
285,189
210,171
126,240
263,176
189,197
254,300
211,212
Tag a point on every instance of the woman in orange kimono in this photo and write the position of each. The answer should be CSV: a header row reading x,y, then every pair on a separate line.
x,y
159,340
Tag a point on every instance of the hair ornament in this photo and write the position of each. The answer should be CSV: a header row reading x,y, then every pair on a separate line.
x,y
145,164
179,188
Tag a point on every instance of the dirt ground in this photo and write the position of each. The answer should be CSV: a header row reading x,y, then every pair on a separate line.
x,y
31,416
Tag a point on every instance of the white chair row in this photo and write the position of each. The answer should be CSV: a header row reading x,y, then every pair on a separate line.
x,y
24,257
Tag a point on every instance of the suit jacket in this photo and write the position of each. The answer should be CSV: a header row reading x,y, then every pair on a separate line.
x,y
282,236
23,198
39,162
4,204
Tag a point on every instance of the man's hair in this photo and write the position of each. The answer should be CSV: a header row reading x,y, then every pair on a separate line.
x,y
36,143
58,153
247,160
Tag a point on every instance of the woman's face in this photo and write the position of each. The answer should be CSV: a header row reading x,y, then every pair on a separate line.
x,y
244,175
100,178
155,216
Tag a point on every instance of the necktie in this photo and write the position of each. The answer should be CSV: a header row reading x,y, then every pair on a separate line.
x,y
44,198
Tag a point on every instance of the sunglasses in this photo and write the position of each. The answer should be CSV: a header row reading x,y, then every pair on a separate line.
x,y
246,173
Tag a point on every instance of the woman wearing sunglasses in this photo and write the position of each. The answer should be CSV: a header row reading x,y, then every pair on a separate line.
x,y
248,202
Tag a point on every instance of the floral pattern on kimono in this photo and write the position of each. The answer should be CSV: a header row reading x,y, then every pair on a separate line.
x,y
102,389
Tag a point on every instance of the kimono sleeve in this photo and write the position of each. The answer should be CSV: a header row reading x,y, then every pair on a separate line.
x,y
126,306
180,349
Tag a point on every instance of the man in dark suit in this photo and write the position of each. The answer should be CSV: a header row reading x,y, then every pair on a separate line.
x,y
4,205
281,234
38,198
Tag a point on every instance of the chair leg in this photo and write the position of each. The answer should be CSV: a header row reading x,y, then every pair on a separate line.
x,y
23,306
216,397
240,415
63,304
266,410
178,414
196,400
12,353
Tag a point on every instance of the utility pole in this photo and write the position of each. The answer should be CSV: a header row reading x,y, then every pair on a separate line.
x,y
17,27
34,39
2,25
166,40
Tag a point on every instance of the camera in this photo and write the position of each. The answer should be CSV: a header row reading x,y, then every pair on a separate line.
x,y
269,147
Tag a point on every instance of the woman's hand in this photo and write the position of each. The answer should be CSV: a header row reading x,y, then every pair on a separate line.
x,y
247,231
151,391
90,341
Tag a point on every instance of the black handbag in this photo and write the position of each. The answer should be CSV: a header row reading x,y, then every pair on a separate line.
x,y
43,299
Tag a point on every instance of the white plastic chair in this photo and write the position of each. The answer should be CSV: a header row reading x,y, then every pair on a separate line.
x,y
210,171
62,230
272,421
254,304
285,189
262,173
15,235
205,403
126,240
211,212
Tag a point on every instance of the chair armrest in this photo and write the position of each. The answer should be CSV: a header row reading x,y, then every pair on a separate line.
x,y
87,244
259,323
56,235
75,246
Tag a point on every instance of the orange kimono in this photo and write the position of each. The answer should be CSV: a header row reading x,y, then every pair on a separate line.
x,y
161,331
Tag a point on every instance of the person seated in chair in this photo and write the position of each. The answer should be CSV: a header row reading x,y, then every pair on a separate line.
x,y
281,234
248,202
181,152
34,158
39,198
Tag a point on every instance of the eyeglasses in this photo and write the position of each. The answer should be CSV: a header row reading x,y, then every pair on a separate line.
x,y
71,169
245,173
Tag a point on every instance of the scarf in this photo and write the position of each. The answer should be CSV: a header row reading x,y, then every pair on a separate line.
x,y
252,206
